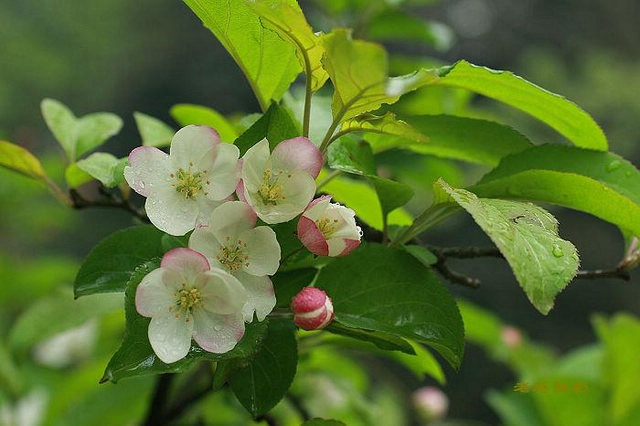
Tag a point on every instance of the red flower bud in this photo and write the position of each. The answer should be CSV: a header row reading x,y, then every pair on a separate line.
x,y
312,309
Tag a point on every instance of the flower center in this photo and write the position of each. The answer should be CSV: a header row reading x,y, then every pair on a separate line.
x,y
233,255
187,299
188,183
271,191
327,226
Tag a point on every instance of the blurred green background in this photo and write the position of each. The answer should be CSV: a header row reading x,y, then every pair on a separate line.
x,y
123,56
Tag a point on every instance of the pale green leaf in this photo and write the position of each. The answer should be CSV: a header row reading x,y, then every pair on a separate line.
x,y
75,176
186,114
395,25
268,62
104,167
62,124
286,18
351,155
18,159
385,125
153,131
527,236
554,110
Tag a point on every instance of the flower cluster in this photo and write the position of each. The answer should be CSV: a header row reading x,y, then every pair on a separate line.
x,y
209,290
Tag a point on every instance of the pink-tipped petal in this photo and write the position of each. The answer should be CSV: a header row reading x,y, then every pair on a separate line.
x,y
298,154
312,237
191,144
217,333
350,245
188,263
240,191
317,207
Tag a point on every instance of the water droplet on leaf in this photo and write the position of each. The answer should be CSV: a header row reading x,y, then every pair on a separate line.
x,y
557,251
613,165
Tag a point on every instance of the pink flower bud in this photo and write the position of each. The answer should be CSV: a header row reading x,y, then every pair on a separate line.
x,y
431,403
312,309
511,336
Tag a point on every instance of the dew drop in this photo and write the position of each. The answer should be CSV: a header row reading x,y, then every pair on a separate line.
x,y
557,251
613,165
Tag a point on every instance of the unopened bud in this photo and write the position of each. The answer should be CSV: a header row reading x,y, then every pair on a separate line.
x,y
312,309
511,336
431,403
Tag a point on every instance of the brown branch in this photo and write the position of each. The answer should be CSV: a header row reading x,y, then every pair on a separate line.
x,y
109,200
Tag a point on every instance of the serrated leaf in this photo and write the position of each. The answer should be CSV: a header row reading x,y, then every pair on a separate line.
x,y
527,236
459,138
186,114
104,167
135,357
554,110
109,266
351,155
386,289
276,125
385,125
359,72
267,378
18,159
600,183
153,132
238,28
286,18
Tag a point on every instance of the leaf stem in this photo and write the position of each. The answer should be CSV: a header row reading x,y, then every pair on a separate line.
x,y
426,220
326,180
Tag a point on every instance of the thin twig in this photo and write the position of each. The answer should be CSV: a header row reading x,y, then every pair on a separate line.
x,y
110,200
155,413
299,407
618,273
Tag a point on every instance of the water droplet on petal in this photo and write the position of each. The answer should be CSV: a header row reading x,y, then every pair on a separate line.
x,y
613,165
557,251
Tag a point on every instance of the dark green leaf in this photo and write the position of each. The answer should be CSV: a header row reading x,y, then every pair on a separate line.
x,y
263,383
109,266
268,62
287,284
186,114
386,289
385,341
276,125
599,183
391,194
556,111
135,357
351,155
527,236
153,131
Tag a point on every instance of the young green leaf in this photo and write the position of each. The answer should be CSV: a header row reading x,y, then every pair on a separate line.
x,y
600,183
395,25
135,357
286,18
104,167
459,138
554,110
386,289
153,131
186,114
268,62
109,266
18,159
351,155
527,236
75,176
385,125
265,381
276,125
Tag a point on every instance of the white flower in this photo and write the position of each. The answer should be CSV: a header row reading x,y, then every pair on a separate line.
x,y
280,185
232,242
186,298
328,229
187,184
69,347
26,411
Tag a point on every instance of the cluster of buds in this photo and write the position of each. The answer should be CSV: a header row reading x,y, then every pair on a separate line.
x,y
210,289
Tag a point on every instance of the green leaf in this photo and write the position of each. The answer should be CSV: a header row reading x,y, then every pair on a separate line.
x,y
18,159
426,257
104,167
385,341
276,125
556,111
267,378
621,338
359,72
515,409
289,283
391,194
395,25
109,266
286,18
351,155
600,183
323,422
78,135
459,138
153,131
527,236
57,313
386,125
135,357
387,290
75,176
268,62
186,114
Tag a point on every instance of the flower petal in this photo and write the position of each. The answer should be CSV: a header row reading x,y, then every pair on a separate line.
x,y
222,293
297,154
341,246
152,295
217,333
263,251
298,189
317,207
192,145
148,169
254,163
170,336
170,212
188,263
312,237
232,219
223,174
262,298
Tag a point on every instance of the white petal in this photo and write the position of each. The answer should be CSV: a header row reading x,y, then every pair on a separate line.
x,y
232,219
262,298
184,266
217,333
263,251
223,175
297,154
152,295
254,163
222,293
202,240
298,189
336,246
170,336
317,207
149,169
170,212
192,145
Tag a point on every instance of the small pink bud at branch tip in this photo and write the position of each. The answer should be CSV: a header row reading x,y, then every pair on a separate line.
x,y
312,309
511,336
